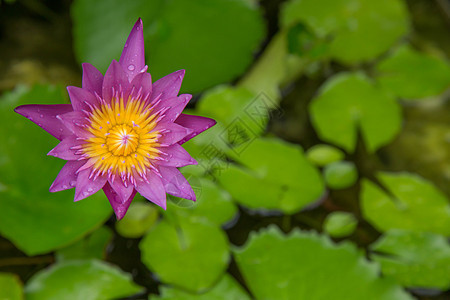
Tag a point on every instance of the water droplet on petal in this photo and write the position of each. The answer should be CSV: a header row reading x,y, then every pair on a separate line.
x,y
89,190
72,183
131,67
86,193
126,45
64,186
41,116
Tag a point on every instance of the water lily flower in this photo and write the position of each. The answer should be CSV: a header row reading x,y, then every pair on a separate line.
x,y
122,133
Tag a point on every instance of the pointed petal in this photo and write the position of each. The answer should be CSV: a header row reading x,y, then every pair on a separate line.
x,y
197,124
175,183
175,156
76,122
141,86
79,97
66,178
92,79
175,107
45,117
64,149
133,54
115,80
172,133
123,192
119,205
168,86
152,189
88,186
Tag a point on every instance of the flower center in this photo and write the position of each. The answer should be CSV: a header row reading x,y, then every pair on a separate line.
x,y
122,140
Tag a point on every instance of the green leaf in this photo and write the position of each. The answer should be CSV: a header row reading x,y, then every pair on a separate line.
x,y
10,287
340,174
140,217
360,30
194,35
412,203
274,175
322,155
191,254
348,102
340,224
410,74
213,203
92,246
415,259
80,279
34,219
304,265
226,289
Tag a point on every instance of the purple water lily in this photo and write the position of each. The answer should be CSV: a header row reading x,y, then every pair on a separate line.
x,y
122,133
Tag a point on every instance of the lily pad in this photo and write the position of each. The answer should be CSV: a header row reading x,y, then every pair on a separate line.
x,y
226,289
34,219
194,35
92,246
339,224
340,174
10,287
409,74
359,30
322,155
140,217
412,203
415,259
191,254
81,279
272,174
297,266
349,102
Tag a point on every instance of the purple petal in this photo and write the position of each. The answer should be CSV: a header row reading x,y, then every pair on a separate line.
x,y
66,178
172,133
152,189
75,121
196,123
45,117
123,192
175,183
175,156
133,54
88,186
175,107
115,80
64,149
168,86
79,97
119,205
92,79
141,86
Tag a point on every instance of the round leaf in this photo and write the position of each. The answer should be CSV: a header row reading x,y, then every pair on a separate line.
x,y
348,102
140,217
10,287
412,204
322,155
340,174
304,265
410,74
339,224
34,219
415,259
83,279
198,36
192,255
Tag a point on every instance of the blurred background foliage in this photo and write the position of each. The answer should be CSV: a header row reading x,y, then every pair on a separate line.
x,y
326,176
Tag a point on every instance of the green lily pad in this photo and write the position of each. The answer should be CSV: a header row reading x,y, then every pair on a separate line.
x,y
415,259
339,224
10,287
340,174
213,203
273,175
412,203
193,35
349,102
140,217
410,74
322,155
359,30
305,265
191,255
226,289
34,219
92,246
81,279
